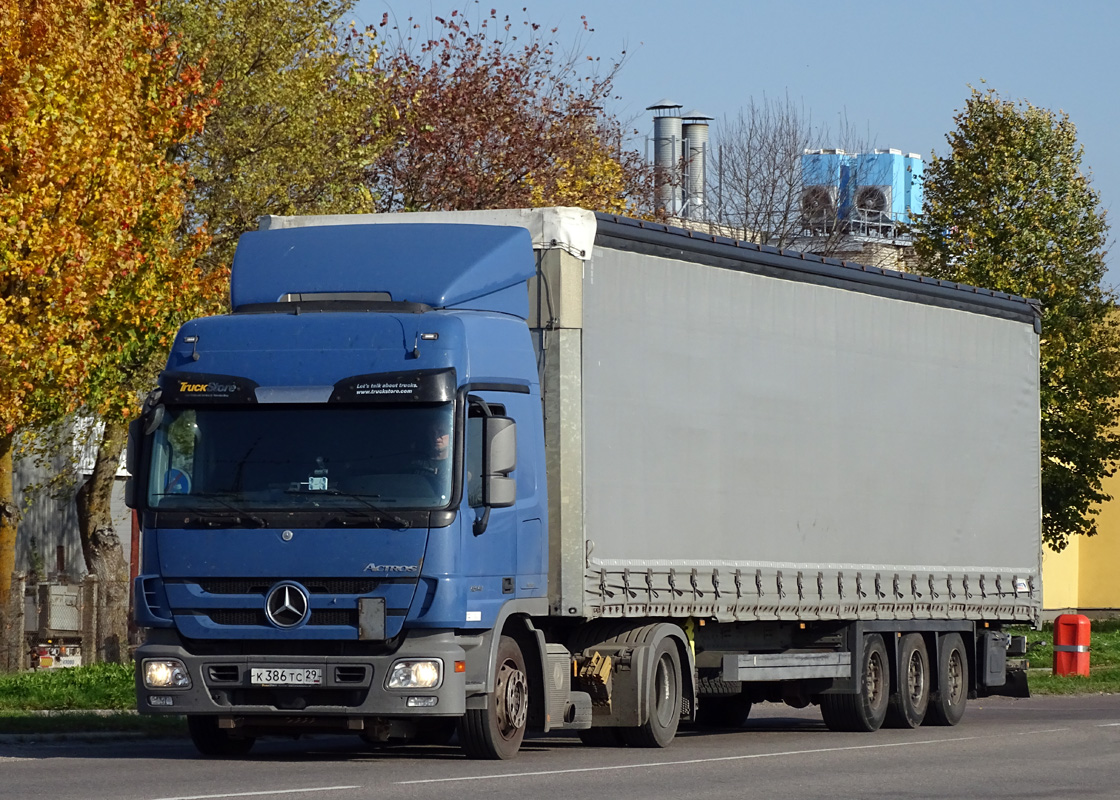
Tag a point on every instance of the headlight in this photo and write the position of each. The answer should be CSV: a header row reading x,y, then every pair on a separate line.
x,y
169,673
415,674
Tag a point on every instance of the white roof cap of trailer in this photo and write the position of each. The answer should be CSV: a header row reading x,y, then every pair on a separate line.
x,y
560,227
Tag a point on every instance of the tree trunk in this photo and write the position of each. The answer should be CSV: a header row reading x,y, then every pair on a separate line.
x,y
102,547
10,639
8,515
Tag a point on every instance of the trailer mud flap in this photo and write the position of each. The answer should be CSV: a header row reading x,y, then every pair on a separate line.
x,y
1014,685
996,675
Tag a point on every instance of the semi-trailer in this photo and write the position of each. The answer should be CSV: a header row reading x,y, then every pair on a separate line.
x,y
504,471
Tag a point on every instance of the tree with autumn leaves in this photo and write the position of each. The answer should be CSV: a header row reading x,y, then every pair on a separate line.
x,y
303,108
493,116
92,102
121,201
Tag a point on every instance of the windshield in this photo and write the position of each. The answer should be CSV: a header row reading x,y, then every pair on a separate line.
x,y
303,457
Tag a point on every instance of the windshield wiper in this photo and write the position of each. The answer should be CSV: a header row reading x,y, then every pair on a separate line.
x,y
220,498
361,498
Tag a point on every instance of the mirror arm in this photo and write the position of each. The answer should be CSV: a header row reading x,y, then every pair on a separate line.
x,y
481,522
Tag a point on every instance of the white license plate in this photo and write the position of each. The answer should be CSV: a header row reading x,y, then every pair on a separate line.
x,y
273,676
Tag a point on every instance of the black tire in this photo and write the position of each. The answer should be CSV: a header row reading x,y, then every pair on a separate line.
x,y
210,740
863,712
664,694
496,732
947,704
909,702
602,737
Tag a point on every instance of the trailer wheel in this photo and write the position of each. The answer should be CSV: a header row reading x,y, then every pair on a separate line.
x,y
865,711
947,704
908,705
664,694
496,731
210,740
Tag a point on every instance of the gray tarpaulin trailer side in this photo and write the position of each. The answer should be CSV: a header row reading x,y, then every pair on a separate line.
x,y
758,435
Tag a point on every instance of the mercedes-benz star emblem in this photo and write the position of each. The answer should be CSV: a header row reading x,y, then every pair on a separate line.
x,y
287,605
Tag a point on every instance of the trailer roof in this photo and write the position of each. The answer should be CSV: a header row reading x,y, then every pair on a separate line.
x,y
655,238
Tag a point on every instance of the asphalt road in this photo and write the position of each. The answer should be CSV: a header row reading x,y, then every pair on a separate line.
x,y
1044,747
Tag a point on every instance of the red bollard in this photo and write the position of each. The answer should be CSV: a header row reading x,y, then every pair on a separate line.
x,y
1071,645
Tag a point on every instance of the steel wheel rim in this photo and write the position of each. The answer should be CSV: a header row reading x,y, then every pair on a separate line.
x,y
955,676
915,678
664,685
874,683
513,700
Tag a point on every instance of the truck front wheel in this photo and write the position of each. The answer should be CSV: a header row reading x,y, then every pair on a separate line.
x,y
496,731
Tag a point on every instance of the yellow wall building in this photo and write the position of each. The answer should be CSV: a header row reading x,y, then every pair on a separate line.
x,y
1084,577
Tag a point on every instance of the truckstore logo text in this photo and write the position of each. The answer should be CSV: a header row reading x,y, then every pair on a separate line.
x,y
207,388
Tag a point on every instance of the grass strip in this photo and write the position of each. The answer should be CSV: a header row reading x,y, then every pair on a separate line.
x,y
96,686
82,722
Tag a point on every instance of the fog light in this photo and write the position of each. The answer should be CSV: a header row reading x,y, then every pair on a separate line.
x,y
422,702
170,673
161,700
415,674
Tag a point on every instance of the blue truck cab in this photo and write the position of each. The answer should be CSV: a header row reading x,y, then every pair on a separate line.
x,y
341,487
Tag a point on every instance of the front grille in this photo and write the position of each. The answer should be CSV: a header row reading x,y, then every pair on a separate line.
x,y
314,585
248,616
334,616
238,616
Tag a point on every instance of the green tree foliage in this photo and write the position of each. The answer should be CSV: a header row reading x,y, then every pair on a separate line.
x,y
298,94
496,117
1010,209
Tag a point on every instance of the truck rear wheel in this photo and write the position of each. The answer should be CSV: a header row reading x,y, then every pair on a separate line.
x,y
947,704
865,711
496,732
908,705
664,694
210,740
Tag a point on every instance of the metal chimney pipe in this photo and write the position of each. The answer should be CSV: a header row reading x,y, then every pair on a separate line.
x,y
695,133
667,154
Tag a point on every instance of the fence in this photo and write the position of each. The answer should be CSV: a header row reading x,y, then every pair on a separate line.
x,y
46,624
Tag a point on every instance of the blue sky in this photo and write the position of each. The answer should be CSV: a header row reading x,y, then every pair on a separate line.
x,y
896,71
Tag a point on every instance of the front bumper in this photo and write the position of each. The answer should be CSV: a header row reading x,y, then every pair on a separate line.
x,y
352,688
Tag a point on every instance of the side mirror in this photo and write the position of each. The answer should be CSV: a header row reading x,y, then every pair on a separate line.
x,y
500,440
499,458
132,451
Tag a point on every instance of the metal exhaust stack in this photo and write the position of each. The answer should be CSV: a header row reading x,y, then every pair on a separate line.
x,y
667,155
695,130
